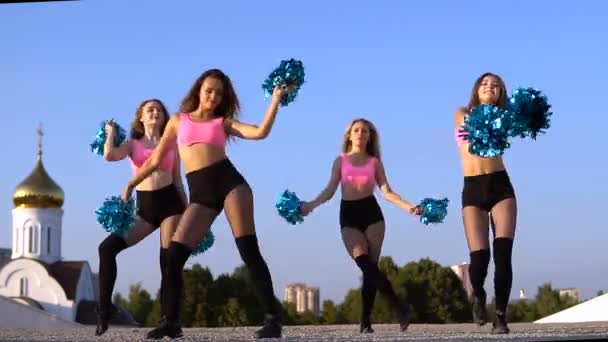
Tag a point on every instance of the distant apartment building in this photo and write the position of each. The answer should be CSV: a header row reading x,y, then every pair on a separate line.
x,y
305,298
462,272
572,293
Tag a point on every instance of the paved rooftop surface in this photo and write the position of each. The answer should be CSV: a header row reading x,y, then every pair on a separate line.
x,y
383,332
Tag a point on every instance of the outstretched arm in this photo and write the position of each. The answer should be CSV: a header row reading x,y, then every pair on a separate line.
x,y
389,195
258,132
166,141
328,192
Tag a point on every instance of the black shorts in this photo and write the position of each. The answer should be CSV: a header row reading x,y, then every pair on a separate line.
x,y
360,213
485,191
155,206
209,186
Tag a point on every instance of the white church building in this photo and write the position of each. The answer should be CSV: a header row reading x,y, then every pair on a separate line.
x,y
36,275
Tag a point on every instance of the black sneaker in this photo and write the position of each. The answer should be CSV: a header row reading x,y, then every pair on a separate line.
x,y
500,324
103,319
366,326
480,315
165,328
272,328
404,317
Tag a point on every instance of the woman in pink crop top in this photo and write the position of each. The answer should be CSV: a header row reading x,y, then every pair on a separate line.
x,y
359,170
160,200
487,197
206,121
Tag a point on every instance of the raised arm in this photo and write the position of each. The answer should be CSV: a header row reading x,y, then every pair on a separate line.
x,y
166,141
258,132
329,191
389,195
177,178
111,153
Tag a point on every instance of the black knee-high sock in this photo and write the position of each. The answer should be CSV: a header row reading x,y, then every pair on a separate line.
x,y
177,255
163,269
478,271
379,279
108,250
503,274
258,271
368,297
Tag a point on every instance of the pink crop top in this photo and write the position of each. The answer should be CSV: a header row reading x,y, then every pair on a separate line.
x,y
358,175
460,135
140,154
208,132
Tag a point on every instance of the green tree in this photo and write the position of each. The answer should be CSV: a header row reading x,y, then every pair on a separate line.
x,y
154,315
388,266
290,314
120,301
140,304
522,311
308,318
434,291
548,301
328,314
600,292
195,310
232,315
246,293
350,310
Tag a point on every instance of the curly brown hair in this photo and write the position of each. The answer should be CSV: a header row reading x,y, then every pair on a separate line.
x,y
229,106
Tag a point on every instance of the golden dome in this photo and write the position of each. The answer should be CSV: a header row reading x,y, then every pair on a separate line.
x,y
38,190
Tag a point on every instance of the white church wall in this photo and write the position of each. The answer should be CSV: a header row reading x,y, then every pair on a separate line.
x,y
37,233
39,286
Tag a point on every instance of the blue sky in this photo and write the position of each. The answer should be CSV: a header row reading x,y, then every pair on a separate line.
x,y
406,65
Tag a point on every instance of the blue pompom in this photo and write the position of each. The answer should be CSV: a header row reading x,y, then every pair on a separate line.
x,y
116,216
433,210
530,112
100,138
487,129
205,244
290,73
288,207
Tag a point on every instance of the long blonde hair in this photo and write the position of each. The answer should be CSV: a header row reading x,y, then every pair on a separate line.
x,y
373,144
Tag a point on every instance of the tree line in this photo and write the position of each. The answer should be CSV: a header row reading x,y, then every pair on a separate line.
x,y
434,291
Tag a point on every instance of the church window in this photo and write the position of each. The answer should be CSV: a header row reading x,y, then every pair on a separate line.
x,y
23,287
31,239
48,240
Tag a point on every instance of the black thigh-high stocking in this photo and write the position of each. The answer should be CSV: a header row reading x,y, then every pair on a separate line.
x,y
177,255
478,271
258,271
368,297
503,273
108,250
163,256
372,272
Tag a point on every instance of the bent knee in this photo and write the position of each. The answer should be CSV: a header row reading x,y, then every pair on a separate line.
x,y
358,251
